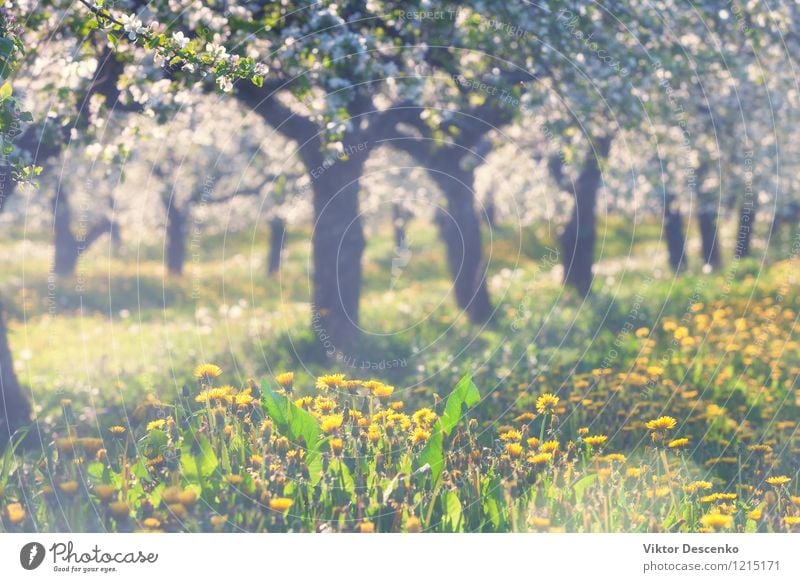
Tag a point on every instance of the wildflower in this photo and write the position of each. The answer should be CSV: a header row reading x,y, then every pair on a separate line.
x,y
366,527
382,390
533,442
662,423
151,523
791,520
187,497
779,480
420,435
280,503
331,422
329,381
539,523
755,514
540,459
234,480
225,84
207,371
642,332
15,513
336,445
525,417
117,431
424,417
511,436
549,446
285,380
596,440
716,520
546,403
514,450
613,458
583,431
413,524
696,486
373,433
633,472
156,424
678,443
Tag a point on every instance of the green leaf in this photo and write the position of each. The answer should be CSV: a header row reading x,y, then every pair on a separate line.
x,y
198,466
493,502
6,90
292,421
581,485
433,453
451,508
464,395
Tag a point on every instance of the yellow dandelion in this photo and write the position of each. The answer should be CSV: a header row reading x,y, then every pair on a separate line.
x,y
696,486
329,381
549,446
382,390
716,520
105,492
331,422
514,450
366,527
540,458
117,431
678,443
539,523
791,520
779,480
662,423
207,371
596,440
419,435
413,525
156,424
280,503
151,523
285,380
15,513
424,417
511,436
546,403
336,445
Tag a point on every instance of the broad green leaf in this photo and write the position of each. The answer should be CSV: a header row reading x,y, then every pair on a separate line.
x,y
6,90
581,485
433,453
291,420
451,509
200,465
464,395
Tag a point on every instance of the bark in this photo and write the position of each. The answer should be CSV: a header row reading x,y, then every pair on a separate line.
x,y
579,236
14,408
747,215
707,222
175,252
277,236
338,246
399,226
69,248
674,235
460,229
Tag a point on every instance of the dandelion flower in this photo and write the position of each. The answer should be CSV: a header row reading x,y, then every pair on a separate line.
x,y
696,486
779,480
207,371
117,431
413,525
514,450
546,403
662,423
539,523
280,503
716,520
540,459
331,422
156,424
151,523
511,436
366,527
119,510
285,380
105,492
678,443
69,487
329,381
596,440
549,446
15,513
419,435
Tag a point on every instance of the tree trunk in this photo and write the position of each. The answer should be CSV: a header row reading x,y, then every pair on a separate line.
x,y
338,245
399,226
707,222
674,235
66,246
747,215
460,229
579,236
277,235
176,240
14,408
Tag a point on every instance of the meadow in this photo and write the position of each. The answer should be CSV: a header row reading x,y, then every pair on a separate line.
x,y
205,403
